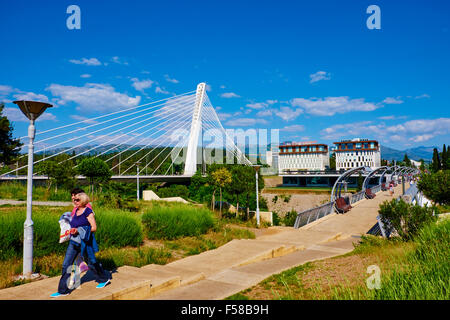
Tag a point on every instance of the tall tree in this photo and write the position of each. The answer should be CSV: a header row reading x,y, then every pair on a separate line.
x,y
236,187
9,147
406,161
95,169
221,178
436,163
445,157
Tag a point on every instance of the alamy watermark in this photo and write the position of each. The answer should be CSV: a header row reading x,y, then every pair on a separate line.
x,y
229,146
373,281
73,22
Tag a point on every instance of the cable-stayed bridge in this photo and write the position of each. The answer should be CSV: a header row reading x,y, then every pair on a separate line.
x,y
164,139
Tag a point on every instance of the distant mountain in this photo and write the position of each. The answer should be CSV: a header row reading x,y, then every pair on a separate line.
x,y
96,149
425,153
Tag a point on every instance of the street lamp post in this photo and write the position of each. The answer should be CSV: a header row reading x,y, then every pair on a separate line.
x,y
32,110
256,167
137,179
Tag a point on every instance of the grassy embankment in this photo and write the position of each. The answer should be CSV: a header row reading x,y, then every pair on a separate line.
x,y
158,233
417,269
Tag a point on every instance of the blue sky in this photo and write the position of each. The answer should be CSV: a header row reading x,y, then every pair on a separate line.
x,y
309,68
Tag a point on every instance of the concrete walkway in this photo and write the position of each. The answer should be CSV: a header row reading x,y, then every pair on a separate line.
x,y
219,273
37,203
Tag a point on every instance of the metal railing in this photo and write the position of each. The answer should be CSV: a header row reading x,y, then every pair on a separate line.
x,y
313,214
357,197
376,189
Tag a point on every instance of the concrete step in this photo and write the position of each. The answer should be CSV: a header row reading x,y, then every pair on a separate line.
x,y
234,253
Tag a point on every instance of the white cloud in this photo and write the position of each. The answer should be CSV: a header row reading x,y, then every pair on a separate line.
x,y
422,138
414,130
31,96
288,114
294,128
319,75
85,75
390,100
257,105
264,113
329,106
422,96
93,97
161,90
245,122
5,90
14,114
229,95
87,62
117,60
224,116
168,79
387,118
141,85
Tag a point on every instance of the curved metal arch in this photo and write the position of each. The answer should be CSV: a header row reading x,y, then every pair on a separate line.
x,y
370,175
389,168
337,187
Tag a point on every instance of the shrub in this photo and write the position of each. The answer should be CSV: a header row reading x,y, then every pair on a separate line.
x,y
427,268
436,186
405,218
117,228
171,222
289,218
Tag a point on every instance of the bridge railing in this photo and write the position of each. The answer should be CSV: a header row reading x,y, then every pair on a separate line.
x,y
313,214
357,197
376,189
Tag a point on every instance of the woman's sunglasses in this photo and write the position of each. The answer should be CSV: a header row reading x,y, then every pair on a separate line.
x,y
76,200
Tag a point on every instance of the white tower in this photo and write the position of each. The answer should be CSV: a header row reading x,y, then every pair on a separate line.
x,y
190,166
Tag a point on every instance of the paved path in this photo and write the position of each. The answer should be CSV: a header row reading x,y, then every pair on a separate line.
x,y
37,203
219,273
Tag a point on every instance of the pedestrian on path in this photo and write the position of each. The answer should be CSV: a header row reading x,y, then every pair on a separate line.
x,y
391,189
80,259
82,239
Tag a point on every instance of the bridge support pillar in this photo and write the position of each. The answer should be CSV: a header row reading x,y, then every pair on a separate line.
x,y
190,166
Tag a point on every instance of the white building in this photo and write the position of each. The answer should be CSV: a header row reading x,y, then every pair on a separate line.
x,y
303,156
357,153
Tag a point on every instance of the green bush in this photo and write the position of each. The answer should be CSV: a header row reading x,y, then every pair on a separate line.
x,y
426,273
172,222
405,218
289,218
46,234
436,186
117,228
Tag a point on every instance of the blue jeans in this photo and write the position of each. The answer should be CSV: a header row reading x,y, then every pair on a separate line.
x,y
71,253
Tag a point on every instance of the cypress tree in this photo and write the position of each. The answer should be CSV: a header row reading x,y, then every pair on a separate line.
x,y
436,164
445,154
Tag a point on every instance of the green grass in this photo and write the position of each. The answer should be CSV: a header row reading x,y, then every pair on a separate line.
x,y
172,222
116,228
18,191
410,270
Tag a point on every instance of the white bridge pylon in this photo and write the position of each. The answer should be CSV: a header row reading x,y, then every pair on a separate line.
x,y
190,166
142,134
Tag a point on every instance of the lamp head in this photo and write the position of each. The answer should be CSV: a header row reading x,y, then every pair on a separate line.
x,y
32,109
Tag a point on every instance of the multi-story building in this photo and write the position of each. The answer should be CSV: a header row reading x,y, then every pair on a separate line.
x,y
357,153
294,156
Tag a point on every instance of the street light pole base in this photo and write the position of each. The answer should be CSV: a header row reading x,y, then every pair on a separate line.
x,y
32,277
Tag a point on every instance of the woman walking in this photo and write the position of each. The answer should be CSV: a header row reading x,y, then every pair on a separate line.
x,y
82,239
